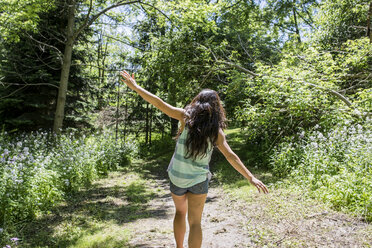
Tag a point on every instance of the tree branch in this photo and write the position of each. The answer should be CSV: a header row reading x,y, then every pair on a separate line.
x,y
238,67
44,44
121,41
95,66
46,64
27,84
95,17
12,93
246,52
156,9
332,92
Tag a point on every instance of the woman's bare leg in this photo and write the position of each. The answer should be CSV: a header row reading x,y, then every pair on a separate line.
x,y
195,210
179,222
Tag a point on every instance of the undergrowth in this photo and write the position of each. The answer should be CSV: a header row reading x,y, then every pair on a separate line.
x,y
39,169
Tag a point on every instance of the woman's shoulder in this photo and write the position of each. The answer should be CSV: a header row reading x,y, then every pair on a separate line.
x,y
181,129
220,137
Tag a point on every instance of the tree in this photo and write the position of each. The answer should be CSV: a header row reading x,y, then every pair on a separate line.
x,y
290,16
338,21
30,69
369,23
72,32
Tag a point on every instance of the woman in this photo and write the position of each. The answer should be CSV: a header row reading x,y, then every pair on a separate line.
x,y
202,124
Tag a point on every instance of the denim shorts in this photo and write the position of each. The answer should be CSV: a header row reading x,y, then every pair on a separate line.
x,y
200,188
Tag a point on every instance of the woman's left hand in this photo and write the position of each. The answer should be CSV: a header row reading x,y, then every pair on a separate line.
x,y
126,78
259,185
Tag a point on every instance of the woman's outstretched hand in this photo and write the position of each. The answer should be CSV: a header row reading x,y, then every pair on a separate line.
x,y
126,78
259,185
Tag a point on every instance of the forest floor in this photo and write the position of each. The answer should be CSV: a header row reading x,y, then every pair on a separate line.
x,y
132,207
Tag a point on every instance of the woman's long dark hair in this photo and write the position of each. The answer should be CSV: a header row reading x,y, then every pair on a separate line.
x,y
204,116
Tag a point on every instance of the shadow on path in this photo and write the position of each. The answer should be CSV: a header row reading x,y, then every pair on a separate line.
x,y
110,201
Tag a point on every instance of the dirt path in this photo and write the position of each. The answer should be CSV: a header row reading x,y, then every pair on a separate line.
x,y
222,225
275,220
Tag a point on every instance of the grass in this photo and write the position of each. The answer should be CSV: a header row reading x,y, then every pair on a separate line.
x,y
289,216
111,236
95,217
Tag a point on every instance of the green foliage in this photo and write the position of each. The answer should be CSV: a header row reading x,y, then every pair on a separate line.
x,y
111,238
295,94
30,74
159,146
287,159
291,17
37,170
334,165
17,16
338,21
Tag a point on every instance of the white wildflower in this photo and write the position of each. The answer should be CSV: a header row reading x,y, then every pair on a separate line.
x,y
356,112
302,134
314,144
320,136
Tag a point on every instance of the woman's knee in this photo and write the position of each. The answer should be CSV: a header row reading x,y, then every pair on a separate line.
x,y
195,225
193,221
181,212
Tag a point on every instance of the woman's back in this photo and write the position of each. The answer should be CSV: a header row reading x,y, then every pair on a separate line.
x,y
186,171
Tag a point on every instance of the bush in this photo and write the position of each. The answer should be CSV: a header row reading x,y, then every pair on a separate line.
x,y
39,169
335,165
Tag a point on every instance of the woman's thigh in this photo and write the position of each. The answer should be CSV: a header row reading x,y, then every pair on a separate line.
x,y
195,204
180,202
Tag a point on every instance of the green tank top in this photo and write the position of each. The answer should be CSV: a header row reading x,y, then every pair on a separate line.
x,y
186,172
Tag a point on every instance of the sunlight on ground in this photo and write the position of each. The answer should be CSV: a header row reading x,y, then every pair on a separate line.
x,y
288,217
111,235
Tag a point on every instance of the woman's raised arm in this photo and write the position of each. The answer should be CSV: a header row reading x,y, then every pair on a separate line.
x,y
174,112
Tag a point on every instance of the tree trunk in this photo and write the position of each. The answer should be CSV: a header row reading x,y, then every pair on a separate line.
x,y
369,31
71,36
66,64
125,114
150,125
147,124
295,22
117,114
99,48
173,101
103,64
99,52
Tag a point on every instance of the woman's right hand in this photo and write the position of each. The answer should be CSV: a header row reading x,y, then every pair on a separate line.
x,y
126,78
